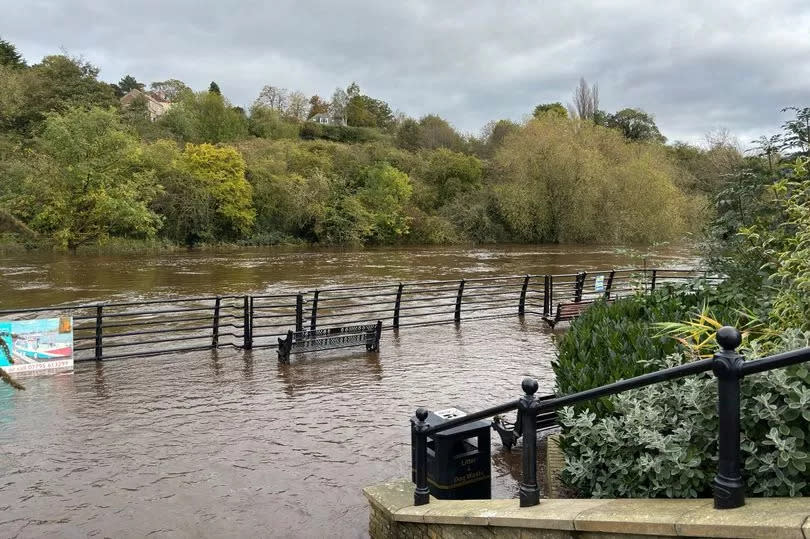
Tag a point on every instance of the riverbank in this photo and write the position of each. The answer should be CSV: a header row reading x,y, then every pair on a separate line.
x,y
11,244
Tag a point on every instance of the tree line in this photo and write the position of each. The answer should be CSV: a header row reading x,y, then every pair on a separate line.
x,y
77,168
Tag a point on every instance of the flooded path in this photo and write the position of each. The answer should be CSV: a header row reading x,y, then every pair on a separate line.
x,y
230,444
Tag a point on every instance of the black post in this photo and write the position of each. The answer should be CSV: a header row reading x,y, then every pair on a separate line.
x,y
729,490
251,314
546,295
247,339
397,305
313,323
215,330
528,406
522,305
99,329
652,283
580,284
609,283
299,312
458,300
421,495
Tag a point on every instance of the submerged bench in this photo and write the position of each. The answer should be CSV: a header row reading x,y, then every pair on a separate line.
x,y
510,432
569,311
314,340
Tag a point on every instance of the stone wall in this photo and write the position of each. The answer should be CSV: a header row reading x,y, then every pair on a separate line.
x,y
392,515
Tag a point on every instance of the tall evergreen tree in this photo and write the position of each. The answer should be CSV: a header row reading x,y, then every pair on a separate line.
x,y
214,88
128,83
9,55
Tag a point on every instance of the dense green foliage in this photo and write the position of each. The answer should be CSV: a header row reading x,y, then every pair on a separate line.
x,y
87,181
356,174
661,440
599,346
554,172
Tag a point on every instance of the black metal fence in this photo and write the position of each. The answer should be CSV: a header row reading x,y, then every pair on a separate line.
x,y
728,367
163,326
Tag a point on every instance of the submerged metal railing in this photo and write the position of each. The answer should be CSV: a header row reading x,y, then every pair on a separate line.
x,y
113,330
728,367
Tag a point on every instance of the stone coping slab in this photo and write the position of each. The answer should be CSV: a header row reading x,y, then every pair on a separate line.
x,y
760,517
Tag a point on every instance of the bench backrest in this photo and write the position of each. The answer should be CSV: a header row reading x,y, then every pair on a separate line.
x,y
313,340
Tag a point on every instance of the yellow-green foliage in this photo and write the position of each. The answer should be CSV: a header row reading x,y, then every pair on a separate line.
x,y
205,194
222,171
572,181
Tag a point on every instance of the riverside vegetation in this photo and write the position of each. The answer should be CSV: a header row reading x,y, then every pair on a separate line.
x,y
77,169
661,440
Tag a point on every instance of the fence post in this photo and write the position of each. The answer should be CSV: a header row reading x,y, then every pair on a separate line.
x,y
421,495
580,284
527,408
215,331
99,349
247,322
313,323
546,295
522,305
609,283
397,305
728,487
458,300
652,283
299,312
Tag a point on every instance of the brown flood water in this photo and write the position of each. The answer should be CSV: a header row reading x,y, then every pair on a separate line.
x,y
230,444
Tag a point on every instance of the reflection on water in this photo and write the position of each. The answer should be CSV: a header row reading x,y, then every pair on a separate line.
x,y
225,443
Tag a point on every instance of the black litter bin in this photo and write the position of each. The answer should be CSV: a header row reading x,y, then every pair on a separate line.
x,y
458,459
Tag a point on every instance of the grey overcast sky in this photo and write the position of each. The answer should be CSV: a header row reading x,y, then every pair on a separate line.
x,y
697,66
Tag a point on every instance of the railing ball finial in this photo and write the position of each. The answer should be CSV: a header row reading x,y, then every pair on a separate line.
x,y
421,414
529,386
729,338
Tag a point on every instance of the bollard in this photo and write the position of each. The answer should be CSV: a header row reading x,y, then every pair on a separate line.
x,y
528,407
728,487
421,495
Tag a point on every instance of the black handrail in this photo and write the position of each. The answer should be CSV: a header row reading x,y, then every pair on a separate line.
x,y
728,367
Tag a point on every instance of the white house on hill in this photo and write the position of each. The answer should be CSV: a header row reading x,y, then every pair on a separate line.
x,y
156,103
325,119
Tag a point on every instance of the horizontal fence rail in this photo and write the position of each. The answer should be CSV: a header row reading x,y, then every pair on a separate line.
x,y
727,365
113,330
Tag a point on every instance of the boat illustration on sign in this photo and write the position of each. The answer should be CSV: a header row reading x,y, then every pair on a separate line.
x,y
33,345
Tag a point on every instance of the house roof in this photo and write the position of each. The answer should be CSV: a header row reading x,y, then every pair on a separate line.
x,y
133,94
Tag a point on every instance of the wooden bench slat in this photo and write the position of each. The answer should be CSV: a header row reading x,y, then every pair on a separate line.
x,y
570,311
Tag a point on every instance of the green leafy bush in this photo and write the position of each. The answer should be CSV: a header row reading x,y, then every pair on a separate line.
x,y
605,343
661,440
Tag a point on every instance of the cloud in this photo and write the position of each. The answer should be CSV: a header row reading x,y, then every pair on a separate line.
x,y
695,65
